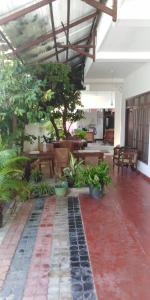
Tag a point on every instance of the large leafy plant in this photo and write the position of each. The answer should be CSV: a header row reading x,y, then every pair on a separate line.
x,y
71,172
97,176
12,186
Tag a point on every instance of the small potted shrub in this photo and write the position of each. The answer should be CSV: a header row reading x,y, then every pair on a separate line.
x,y
61,188
41,189
96,177
72,170
80,133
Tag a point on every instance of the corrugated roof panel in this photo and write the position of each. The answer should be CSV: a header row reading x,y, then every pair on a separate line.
x,y
28,27
79,8
10,6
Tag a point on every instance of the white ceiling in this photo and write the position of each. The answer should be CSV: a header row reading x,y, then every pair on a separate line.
x,y
124,46
112,69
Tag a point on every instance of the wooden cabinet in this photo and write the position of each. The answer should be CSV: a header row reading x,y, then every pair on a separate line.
x,y
109,136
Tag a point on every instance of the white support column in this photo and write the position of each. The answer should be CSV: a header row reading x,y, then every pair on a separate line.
x,y
119,133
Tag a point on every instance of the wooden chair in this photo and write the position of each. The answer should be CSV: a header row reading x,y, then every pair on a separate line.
x,y
61,160
93,158
127,157
116,155
49,159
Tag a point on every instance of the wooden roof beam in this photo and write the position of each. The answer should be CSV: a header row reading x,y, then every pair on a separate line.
x,y
77,45
60,51
73,47
10,45
24,11
44,37
72,58
53,28
68,21
103,8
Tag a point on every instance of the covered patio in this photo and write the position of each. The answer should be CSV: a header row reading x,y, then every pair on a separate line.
x,y
80,248
72,246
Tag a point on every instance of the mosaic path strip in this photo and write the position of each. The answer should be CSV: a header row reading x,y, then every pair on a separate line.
x,y
59,275
10,242
16,277
81,274
37,281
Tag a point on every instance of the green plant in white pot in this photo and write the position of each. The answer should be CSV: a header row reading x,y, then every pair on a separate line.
x,y
61,188
96,177
71,172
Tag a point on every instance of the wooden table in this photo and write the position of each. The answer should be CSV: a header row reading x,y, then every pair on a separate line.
x,y
82,154
40,157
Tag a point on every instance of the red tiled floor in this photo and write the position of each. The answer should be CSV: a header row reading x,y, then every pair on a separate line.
x,y
117,229
10,242
37,282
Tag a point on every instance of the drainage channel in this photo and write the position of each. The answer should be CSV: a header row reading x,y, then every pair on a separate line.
x,y
81,273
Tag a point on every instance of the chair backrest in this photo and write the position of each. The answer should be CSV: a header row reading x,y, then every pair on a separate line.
x,y
91,161
50,148
61,155
116,151
128,154
67,144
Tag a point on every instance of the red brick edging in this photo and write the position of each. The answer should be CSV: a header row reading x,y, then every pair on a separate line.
x,y
10,242
37,281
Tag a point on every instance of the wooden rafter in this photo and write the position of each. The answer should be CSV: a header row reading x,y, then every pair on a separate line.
x,y
50,55
68,21
73,47
24,11
72,58
60,51
53,28
103,8
44,37
9,45
83,46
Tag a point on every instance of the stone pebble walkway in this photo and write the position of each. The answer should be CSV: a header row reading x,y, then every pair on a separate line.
x,y
44,254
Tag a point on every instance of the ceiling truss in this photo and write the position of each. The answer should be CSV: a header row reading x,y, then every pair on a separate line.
x,y
83,50
103,8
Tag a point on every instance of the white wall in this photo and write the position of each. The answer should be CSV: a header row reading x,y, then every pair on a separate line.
x,y
37,131
105,90
98,99
137,83
95,119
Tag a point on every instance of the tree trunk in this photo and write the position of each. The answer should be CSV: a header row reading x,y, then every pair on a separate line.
x,y
14,123
64,119
1,214
55,128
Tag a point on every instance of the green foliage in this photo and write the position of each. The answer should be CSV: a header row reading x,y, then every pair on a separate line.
x,y
41,189
61,100
71,172
97,176
11,172
19,94
80,133
29,94
36,175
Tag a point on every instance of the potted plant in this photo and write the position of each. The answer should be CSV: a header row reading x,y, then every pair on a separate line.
x,y
36,175
41,189
61,188
72,170
80,133
96,177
